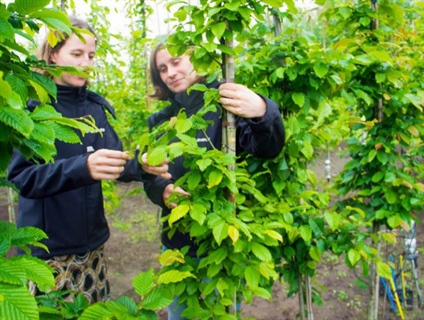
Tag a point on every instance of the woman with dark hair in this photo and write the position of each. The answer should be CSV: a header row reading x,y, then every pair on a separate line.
x,y
260,130
64,198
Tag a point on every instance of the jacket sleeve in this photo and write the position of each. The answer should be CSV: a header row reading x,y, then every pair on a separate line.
x,y
45,180
264,137
153,185
132,170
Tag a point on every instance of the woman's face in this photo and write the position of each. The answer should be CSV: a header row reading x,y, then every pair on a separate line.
x,y
74,52
176,72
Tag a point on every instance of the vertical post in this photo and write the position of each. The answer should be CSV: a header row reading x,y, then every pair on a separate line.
x,y
229,133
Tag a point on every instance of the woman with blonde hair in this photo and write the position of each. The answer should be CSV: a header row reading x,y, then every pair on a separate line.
x,y
64,198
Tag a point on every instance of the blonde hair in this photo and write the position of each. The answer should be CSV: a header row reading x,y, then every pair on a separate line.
x,y
45,50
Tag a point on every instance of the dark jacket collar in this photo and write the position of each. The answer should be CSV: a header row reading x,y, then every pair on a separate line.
x,y
191,102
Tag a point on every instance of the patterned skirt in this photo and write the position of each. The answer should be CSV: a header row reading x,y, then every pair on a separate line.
x,y
86,274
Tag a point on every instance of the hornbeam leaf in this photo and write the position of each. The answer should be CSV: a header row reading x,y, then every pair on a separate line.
x,y
156,156
261,252
144,282
18,303
38,271
198,213
43,132
45,112
27,6
215,178
333,220
18,119
11,273
128,303
55,19
274,234
315,254
305,233
220,232
6,30
97,311
233,233
169,257
321,69
177,213
252,276
183,125
298,98
276,3
218,29
383,269
64,133
174,276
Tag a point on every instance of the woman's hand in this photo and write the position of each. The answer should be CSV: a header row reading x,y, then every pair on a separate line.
x,y
241,101
168,191
160,170
105,164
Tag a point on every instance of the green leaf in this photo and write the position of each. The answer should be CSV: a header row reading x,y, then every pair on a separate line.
x,y
174,276
203,164
6,30
333,220
18,86
198,213
298,98
97,311
183,125
11,272
144,282
156,156
315,253
377,176
321,69
178,213
220,231
16,302
261,252
383,269
218,29
64,133
54,19
218,255
307,150
215,178
391,196
43,132
222,286
305,232
27,6
157,299
252,277
276,3
38,271
353,256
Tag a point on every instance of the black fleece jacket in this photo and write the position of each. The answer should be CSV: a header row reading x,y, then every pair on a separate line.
x,y
61,198
262,138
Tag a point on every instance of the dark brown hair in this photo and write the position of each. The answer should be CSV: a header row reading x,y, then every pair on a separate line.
x,y
161,90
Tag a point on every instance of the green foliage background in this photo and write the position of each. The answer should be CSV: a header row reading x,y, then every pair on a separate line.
x,y
344,72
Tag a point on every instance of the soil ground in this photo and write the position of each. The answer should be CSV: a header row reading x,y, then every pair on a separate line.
x,y
134,246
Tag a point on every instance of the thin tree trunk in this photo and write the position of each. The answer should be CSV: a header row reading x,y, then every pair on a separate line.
x,y
229,135
375,284
11,205
301,296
